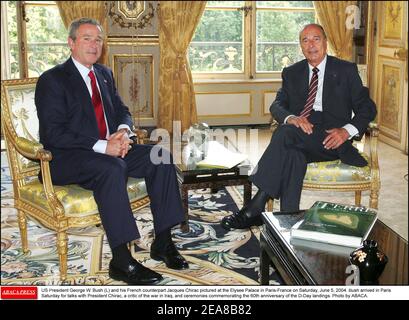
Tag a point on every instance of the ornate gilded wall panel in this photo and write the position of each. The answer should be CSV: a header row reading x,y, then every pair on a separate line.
x,y
392,26
133,51
390,115
217,105
134,75
225,105
389,77
268,97
132,18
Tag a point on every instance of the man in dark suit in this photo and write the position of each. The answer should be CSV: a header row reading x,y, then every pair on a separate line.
x,y
86,126
321,106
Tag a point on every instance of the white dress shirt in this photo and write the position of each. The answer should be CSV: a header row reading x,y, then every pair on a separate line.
x,y
101,145
318,98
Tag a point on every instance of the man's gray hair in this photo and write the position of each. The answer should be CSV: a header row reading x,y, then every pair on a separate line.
x,y
315,25
74,26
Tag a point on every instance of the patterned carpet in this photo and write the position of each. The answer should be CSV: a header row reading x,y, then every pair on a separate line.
x,y
216,257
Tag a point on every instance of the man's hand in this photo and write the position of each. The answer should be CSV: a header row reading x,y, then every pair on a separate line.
x,y
301,122
335,138
119,144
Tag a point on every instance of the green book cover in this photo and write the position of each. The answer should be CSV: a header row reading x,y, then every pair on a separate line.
x,y
335,223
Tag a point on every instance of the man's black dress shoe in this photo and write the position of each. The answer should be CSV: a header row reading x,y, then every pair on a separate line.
x,y
136,274
170,255
241,220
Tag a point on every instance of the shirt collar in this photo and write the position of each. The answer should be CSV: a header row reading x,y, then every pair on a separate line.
x,y
83,70
321,66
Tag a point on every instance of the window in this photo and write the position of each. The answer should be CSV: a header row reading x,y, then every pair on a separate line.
x,y
37,25
278,24
218,43
247,39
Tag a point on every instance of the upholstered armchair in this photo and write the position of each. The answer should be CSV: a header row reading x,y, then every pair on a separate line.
x,y
337,176
58,208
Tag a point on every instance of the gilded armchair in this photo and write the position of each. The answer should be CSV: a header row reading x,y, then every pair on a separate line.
x,y
58,208
337,176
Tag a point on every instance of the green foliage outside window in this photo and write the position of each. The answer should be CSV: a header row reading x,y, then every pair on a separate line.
x,y
46,38
219,40
12,29
277,38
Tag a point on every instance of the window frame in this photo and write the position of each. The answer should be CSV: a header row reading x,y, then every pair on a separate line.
x,y
22,19
246,48
249,44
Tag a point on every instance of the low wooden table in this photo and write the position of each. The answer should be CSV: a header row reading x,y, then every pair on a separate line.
x,y
200,178
299,264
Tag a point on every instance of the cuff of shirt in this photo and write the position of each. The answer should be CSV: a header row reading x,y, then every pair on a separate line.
x,y
100,146
288,117
125,126
351,130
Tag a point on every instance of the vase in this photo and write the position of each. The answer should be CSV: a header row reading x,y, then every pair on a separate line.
x,y
191,155
199,134
370,261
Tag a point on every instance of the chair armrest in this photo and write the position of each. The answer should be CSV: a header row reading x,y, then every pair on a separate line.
x,y
35,151
141,135
32,150
373,130
373,141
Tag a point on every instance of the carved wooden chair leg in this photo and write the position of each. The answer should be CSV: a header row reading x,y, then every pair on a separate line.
x,y
62,247
373,198
270,205
22,224
358,198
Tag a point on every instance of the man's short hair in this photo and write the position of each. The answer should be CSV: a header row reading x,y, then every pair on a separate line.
x,y
315,25
74,26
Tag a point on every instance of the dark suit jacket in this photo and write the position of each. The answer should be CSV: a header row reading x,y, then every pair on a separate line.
x,y
343,93
67,119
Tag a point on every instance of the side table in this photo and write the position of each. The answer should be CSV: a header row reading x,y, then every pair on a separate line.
x,y
214,178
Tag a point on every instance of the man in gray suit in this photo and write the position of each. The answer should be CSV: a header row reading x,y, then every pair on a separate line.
x,y
321,106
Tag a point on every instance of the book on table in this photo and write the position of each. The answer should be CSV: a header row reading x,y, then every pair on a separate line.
x,y
334,223
218,156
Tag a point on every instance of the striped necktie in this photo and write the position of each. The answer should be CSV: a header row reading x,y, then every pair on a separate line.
x,y
312,93
99,111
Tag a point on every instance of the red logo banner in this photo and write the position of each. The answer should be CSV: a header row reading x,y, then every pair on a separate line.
x,y
19,292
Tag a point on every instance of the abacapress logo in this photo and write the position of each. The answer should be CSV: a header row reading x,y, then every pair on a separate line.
x,y
19,292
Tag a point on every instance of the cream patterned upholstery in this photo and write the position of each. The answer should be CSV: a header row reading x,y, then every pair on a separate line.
x,y
336,172
335,175
56,207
